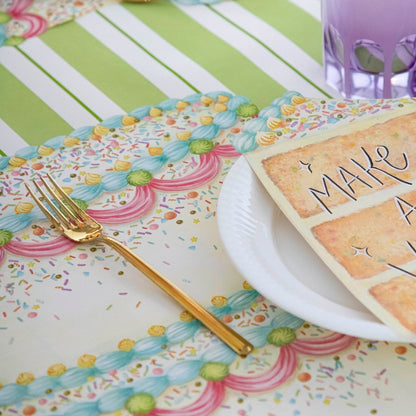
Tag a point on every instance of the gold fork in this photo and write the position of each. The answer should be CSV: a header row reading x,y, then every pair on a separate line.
x,y
78,226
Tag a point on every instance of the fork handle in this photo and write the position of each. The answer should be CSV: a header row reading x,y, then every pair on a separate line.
x,y
235,341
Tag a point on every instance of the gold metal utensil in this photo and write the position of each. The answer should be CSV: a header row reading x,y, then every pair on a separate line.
x,y
78,226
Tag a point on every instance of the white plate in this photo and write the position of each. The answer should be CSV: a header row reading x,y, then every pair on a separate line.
x,y
276,260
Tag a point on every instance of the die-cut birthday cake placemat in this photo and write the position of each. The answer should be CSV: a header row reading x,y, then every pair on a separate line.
x,y
351,193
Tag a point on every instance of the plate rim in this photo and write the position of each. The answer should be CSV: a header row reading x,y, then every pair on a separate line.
x,y
351,325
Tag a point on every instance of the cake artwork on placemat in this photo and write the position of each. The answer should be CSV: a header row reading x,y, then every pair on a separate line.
x,y
351,193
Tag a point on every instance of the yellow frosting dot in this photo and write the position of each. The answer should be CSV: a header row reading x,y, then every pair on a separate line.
x,y
206,120
16,162
128,120
206,100
92,178
220,107
287,109
23,207
126,344
121,165
25,378
296,100
181,105
45,150
247,285
86,361
186,316
155,150
100,130
156,330
183,135
155,112
223,99
71,141
219,301
56,370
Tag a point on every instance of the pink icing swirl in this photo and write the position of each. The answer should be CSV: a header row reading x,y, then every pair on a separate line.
x,y
277,375
323,346
44,249
210,399
2,255
37,24
141,203
226,150
208,169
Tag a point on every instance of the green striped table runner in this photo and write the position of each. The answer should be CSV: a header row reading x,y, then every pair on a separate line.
x,y
124,56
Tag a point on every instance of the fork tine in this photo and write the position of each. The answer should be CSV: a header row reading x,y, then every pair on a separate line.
x,y
48,215
62,206
80,212
53,206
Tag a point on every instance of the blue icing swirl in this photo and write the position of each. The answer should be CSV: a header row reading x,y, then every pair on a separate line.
x,y
55,142
16,223
82,133
3,36
271,111
28,152
140,112
87,192
112,122
169,104
220,311
4,162
38,386
114,180
225,119
114,400
180,331
113,360
151,385
149,163
205,132
149,346
290,94
176,150
236,101
192,98
184,371
11,393
258,336
76,376
245,142
286,319
256,124
82,409
219,352
279,101
242,299
214,94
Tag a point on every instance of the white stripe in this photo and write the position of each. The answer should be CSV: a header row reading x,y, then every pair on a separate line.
x,y
71,79
251,49
41,85
278,43
313,7
10,141
197,76
127,50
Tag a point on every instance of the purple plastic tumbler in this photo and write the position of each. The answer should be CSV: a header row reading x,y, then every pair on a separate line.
x,y
370,47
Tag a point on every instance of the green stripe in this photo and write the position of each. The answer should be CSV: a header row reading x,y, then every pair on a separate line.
x,y
296,24
2,153
224,62
103,68
148,52
26,113
271,51
59,84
